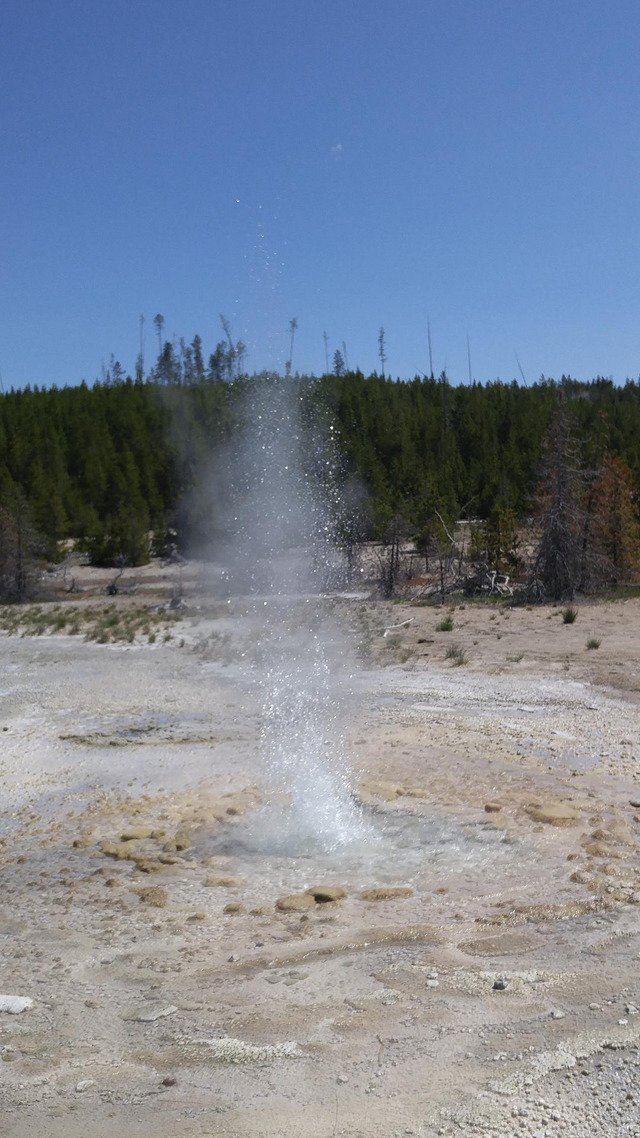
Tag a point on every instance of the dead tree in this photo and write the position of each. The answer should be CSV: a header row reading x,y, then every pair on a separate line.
x,y
390,556
18,549
559,562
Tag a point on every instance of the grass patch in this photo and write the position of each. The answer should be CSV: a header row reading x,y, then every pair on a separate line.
x,y
101,624
569,615
457,655
445,625
593,642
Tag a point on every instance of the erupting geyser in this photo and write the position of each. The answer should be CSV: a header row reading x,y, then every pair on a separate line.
x,y
283,514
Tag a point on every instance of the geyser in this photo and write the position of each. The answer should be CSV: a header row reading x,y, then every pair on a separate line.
x,y
284,509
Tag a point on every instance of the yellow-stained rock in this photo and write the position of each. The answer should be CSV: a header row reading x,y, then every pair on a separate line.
x,y
324,893
386,892
155,895
295,903
82,842
121,851
599,849
385,790
136,833
148,864
581,877
553,814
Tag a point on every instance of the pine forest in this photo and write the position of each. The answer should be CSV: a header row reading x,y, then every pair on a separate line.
x,y
546,476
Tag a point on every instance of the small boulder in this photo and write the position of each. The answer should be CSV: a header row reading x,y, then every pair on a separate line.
x,y
295,903
121,851
325,893
136,833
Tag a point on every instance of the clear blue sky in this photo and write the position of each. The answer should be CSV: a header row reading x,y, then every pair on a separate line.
x,y
351,163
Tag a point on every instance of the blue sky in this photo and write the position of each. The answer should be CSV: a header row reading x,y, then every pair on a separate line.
x,y
355,164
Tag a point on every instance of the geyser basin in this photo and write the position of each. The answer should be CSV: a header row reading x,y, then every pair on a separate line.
x,y
425,851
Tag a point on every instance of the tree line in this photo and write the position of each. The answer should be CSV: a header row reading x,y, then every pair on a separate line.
x,y
106,466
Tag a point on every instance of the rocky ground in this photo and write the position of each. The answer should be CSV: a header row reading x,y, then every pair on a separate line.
x,y
173,973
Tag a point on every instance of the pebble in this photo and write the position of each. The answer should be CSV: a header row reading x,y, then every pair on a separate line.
x,y
499,985
84,1085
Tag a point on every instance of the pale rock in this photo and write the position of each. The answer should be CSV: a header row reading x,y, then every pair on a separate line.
x,y
15,1004
149,1013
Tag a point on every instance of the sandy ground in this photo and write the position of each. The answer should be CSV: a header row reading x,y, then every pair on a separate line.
x,y
498,992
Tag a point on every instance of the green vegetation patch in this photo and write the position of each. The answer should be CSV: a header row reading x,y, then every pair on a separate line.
x,y
445,625
457,655
106,624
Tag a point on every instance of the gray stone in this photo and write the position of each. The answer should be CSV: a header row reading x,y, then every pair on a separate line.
x,y
148,1013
